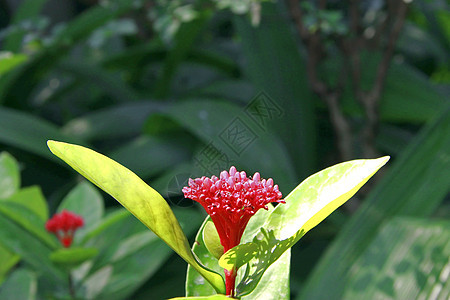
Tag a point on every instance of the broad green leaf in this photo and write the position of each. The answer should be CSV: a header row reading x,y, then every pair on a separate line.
x,y
407,259
33,199
237,138
276,67
136,196
118,121
274,282
212,240
27,132
107,222
22,284
415,185
29,247
9,61
28,220
306,206
319,195
94,284
9,175
139,256
72,257
86,201
165,154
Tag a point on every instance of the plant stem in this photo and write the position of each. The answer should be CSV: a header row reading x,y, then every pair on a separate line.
x,y
71,287
230,281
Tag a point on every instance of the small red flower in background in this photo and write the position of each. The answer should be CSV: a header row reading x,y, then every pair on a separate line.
x,y
231,201
64,225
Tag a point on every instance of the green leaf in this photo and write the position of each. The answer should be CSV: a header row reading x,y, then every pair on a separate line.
x,y
86,201
138,256
27,220
107,222
96,283
217,124
212,240
118,121
414,186
277,68
72,257
9,175
319,195
22,284
407,259
165,154
9,61
33,199
136,196
29,247
27,132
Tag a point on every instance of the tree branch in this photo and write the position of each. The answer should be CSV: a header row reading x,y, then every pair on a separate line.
x,y
370,101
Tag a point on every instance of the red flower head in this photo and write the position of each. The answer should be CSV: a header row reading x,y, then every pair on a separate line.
x,y
64,225
231,201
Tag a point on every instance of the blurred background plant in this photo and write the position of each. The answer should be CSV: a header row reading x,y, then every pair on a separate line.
x,y
173,89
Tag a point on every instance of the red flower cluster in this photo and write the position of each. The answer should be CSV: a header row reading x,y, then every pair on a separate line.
x,y
231,201
64,225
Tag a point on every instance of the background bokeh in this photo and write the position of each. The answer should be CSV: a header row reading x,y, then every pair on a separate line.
x,y
178,89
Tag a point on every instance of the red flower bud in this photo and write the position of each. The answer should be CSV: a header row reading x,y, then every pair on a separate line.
x,y
64,225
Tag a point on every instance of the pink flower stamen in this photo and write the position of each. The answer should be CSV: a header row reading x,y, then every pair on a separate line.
x,y
64,225
231,200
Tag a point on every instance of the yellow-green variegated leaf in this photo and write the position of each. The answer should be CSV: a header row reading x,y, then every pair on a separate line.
x,y
136,196
306,206
319,195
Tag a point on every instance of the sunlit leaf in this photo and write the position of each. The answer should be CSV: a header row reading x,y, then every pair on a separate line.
x,y
136,196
